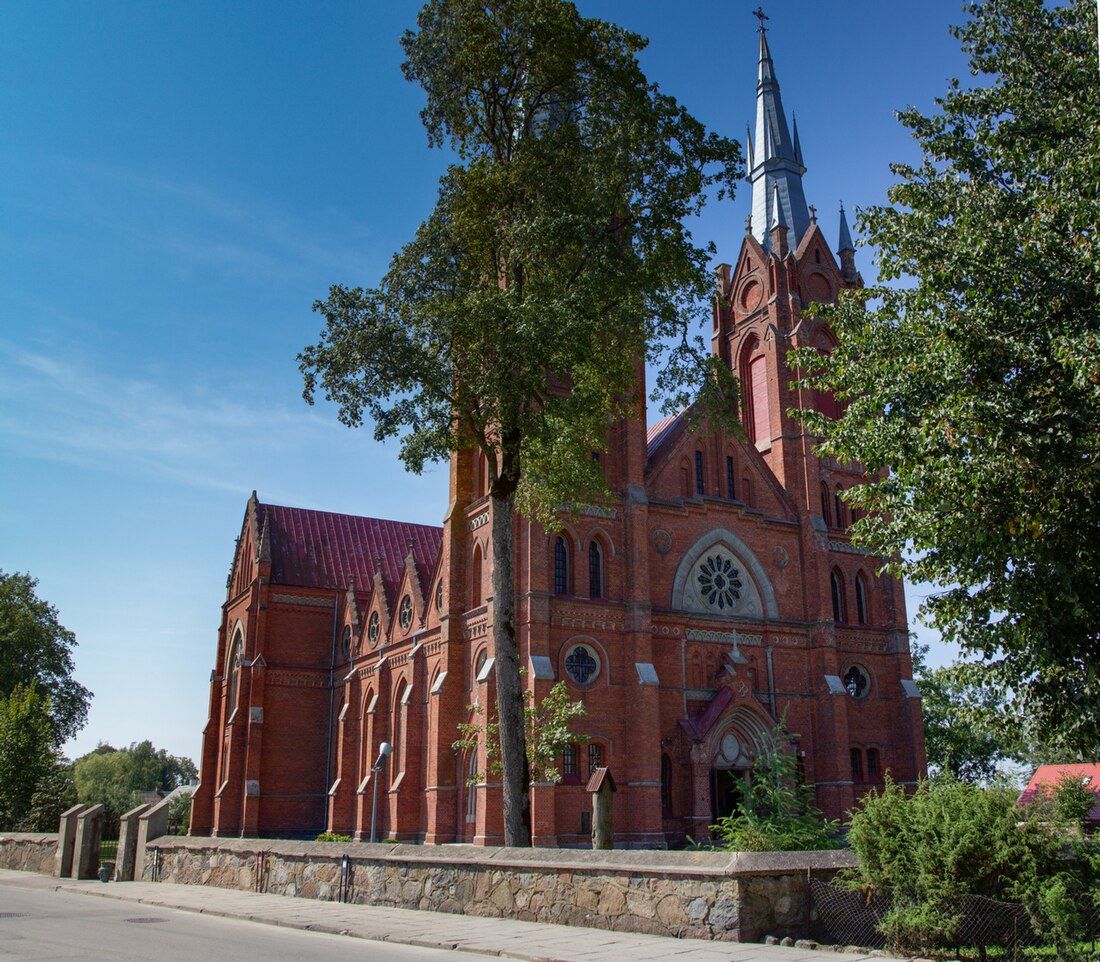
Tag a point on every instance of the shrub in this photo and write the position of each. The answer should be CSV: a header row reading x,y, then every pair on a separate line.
x,y
332,837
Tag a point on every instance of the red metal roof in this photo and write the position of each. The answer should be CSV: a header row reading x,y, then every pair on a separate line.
x,y
320,549
658,433
1047,776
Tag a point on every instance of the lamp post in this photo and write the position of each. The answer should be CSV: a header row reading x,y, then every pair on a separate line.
x,y
384,749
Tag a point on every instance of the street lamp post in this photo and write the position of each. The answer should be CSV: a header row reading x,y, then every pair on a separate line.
x,y
383,751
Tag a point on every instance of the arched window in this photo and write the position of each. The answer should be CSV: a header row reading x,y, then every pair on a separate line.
x,y
873,766
483,475
700,487
836,580
857,765
475,578
839,508
397,729
754,378
472,779
825,513
595,757
731,490
233,670
746,489
666,784
861,599
561,566
569,761
595,570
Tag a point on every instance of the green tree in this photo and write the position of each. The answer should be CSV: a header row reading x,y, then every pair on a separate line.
x,y
112,777
27,752
556,259
973,387
35,648
950,839
970,731
776,813
546,729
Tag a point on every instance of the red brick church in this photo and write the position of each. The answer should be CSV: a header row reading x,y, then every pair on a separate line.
x,y
721,593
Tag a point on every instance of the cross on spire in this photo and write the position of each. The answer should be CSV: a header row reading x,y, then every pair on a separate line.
x,y
761,16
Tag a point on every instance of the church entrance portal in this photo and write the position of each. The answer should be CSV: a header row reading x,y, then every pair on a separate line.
x,y
726,791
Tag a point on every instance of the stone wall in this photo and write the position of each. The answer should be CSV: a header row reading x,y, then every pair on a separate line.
x,y
28,852
740,897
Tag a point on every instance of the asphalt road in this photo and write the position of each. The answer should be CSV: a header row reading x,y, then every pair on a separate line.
x,y
49,926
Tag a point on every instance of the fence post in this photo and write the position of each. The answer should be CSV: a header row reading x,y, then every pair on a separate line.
x,y
66,841
89,830
127,844
151,824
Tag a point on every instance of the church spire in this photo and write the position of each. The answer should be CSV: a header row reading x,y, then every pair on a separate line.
x,y
777,168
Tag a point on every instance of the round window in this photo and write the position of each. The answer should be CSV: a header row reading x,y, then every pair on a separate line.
x,y
405,614
719,582
373,629
582,664
857,682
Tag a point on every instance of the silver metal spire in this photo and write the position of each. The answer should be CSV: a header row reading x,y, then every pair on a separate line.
x,y
777,169
845,235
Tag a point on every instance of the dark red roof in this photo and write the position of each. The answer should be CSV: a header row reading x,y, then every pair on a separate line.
x,y
1047,776
320,549
664,429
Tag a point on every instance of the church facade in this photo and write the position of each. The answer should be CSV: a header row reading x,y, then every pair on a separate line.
x,y
719,595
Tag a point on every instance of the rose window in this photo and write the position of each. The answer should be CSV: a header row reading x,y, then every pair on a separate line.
x,y
719,582
582,664
405,614
373,628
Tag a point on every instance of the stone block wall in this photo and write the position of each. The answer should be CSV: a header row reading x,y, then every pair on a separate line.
x,y
733,897
28,852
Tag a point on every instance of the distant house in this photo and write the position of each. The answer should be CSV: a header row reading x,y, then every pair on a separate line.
x,y
1048,776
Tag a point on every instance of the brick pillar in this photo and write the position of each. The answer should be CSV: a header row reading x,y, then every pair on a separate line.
x,y
127,844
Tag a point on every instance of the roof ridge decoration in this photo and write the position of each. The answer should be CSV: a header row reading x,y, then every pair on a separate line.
x,y
777,168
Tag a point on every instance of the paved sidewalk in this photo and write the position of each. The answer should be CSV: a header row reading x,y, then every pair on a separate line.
x,y
526,941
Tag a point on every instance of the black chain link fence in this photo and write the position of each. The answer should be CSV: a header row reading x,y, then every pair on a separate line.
x,y
852,917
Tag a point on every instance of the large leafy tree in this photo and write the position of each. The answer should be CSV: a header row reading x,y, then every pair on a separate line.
x,y
36,650
555,260
27,752
971,377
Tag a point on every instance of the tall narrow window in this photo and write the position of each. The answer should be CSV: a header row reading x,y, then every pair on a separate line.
x,y
561,566
857,765
569,760
826,515
595,571
397,730
731,491
475,579
861,600
472,779
758,382
839,508
836,580
699,485
666,784
595,757
873,767
233,667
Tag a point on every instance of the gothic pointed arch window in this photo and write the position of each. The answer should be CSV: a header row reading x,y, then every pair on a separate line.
x,y
397,730
473,777
754,378
700,486
561,566
836,583
595,569
826,514
475,578
861,599
233,671
839,503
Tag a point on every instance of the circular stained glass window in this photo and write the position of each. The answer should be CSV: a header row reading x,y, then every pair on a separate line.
x,y
582,664
373,629
719,582
405,613
857,682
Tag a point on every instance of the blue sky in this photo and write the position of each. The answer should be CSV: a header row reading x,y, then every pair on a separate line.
x,y
182,181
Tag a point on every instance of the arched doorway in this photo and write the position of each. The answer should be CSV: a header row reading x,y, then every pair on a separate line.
x,y
730,774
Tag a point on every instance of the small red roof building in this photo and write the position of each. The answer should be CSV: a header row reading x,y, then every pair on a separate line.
x,y
1048,776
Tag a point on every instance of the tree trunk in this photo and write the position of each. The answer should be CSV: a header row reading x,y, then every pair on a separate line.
x,y
510,703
